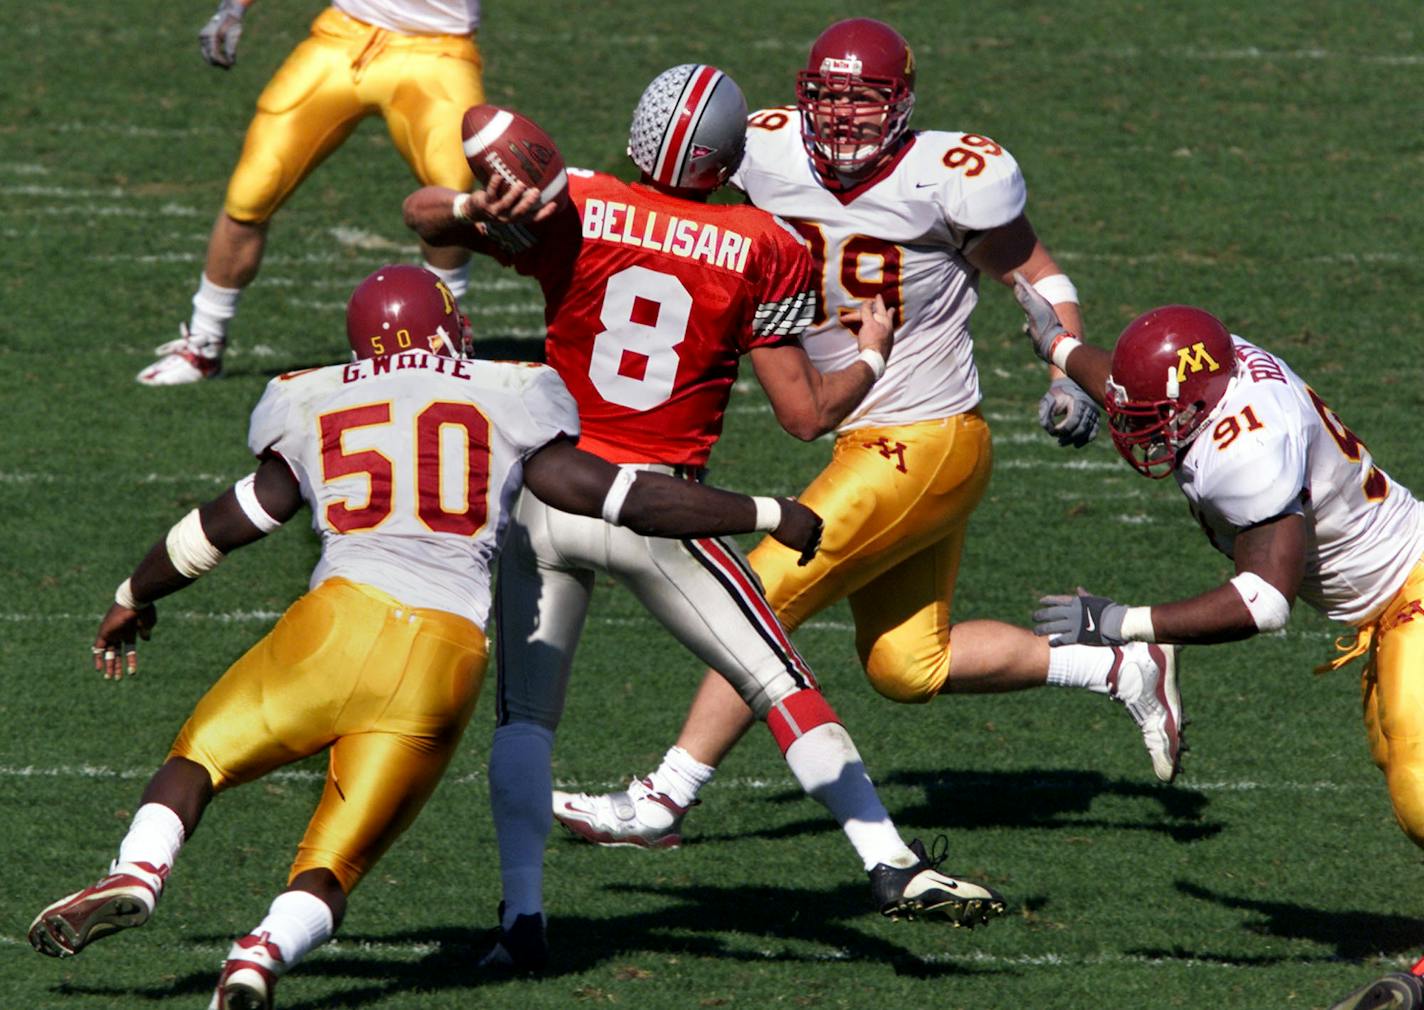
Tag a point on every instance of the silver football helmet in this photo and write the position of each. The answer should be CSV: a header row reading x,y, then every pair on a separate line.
x,y
689,128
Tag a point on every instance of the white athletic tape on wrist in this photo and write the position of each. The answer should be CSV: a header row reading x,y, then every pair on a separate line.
x,y
1269,608
1057,288
617,492
124,596
189,548
768,514
460,207
874,359
246,491
1063,345
1137,625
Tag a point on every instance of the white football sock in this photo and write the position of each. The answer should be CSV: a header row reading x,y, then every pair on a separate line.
x,y
681,776
1080,666
521,798
457,279
213,308
297,922
826,763
155,836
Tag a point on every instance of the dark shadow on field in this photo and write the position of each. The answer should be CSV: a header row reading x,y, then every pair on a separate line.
x,y
1355,934
489,348
760,925
1032,799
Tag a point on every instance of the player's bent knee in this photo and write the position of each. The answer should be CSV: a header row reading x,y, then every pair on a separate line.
x,y
258,186
907,686
1405,775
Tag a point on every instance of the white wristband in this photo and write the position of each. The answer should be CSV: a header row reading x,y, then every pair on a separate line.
x,y
874,359
1063,345
189,548
124,596
1269,608
1137,625
617,492
1057,288
768,513
246,492
460,207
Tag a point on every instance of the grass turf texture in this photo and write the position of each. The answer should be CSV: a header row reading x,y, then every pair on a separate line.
x,y
1258,159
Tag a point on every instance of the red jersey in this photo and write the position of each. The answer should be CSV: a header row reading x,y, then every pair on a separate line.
x,y
650,301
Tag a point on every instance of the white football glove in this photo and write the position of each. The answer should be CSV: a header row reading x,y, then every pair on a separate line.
x,y
218,39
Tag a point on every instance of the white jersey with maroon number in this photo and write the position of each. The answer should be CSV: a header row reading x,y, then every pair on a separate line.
x,y
416,17
411,464
905,236
1272,446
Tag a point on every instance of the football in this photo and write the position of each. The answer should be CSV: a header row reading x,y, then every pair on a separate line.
x,y
502,142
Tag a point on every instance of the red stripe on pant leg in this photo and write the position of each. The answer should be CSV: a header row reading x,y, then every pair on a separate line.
x,y
797,714
753,595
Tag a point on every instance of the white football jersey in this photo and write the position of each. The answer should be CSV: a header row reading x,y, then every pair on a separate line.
x,y
411,464
904,236
416,17
1272,446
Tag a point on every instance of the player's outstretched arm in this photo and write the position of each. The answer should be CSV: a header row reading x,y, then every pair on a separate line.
x,y
1270,562
245,512
809,403
218,39
657,505
1058,345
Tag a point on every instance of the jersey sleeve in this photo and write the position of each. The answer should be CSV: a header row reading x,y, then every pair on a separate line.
x,y
785,294
1261,476
984,193
549,409
269,418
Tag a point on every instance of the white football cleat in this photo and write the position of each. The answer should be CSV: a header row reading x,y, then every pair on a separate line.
x,y
249,975
639,816
1144,679
124,898
921,889
187,359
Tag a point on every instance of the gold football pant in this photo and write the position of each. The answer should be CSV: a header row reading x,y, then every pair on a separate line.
x,y
389,689
896,502
1392,691
345,71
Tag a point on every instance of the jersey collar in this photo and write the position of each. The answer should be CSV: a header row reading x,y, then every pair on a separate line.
x,y
845,196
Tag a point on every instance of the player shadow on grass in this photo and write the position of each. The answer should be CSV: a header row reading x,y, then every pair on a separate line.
x,y
491,348
759,925
1355,935
1033,799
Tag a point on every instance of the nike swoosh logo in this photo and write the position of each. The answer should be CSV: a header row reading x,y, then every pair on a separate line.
x,y
923,185
1090,620
1252,598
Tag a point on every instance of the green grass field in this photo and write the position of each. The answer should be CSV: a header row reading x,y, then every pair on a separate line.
x,y
1259,159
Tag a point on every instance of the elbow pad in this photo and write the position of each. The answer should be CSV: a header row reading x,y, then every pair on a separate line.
x,y
189,548
1269,609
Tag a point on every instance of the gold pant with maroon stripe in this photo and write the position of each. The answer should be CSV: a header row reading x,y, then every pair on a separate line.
x,y
896,502
345,71
389,689
1392,692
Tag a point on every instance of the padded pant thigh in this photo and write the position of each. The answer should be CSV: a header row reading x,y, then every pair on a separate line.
x,y
423,97
1396,721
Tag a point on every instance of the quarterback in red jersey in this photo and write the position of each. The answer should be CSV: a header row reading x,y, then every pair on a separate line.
x,y
652,297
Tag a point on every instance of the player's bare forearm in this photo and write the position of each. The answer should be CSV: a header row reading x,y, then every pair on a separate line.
x,y
430,213
1218,615
809,403
1089,367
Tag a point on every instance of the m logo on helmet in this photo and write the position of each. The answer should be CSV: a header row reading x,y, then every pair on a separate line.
x,y
1194,358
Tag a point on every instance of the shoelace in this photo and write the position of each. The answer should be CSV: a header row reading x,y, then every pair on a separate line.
x,y
938,852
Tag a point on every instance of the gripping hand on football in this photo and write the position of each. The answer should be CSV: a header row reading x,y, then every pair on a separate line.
x,y
115,649
218,39
800,529
1042,323
1081,619
1068,413
503,202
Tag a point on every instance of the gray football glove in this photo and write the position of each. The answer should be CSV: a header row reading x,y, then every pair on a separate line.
x,y
1080,619
1042,323
218,39
1068,413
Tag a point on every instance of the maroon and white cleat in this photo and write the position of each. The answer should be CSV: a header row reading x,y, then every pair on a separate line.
x,y
639,816
125,898
249,975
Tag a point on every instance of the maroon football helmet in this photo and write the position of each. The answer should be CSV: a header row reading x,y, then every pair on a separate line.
x,y
402,308
855,96
1170,367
